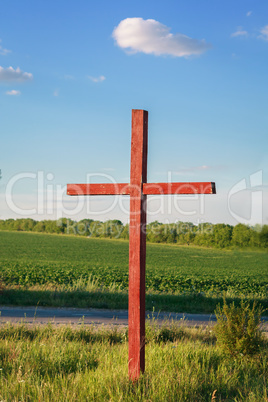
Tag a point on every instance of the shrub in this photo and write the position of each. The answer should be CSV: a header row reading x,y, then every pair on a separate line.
x,y
238,328
2,287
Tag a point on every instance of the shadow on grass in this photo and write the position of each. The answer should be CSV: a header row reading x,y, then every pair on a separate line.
x,y
191,303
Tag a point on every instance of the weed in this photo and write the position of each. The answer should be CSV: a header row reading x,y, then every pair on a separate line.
x,y
238,328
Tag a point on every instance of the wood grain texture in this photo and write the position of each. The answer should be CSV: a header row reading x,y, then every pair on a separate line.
x,y
137,244
147,188
179,188
98,189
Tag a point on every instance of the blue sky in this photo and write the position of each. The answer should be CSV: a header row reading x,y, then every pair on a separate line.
x,y
70,73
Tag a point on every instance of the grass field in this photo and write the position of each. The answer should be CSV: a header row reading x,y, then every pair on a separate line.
x,y
74,271
64,364
85,364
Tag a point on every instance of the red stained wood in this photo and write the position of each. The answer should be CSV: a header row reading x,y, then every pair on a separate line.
x,y
98,189
148,188
137,244
179,188
138,189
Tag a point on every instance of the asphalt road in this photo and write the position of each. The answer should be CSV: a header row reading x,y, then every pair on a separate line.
x,y
76,316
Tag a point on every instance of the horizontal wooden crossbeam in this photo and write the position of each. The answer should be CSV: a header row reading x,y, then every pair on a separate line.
x,y
179,188
147,188
98,189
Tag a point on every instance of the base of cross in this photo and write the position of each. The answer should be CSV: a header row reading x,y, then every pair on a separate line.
x,y
138,189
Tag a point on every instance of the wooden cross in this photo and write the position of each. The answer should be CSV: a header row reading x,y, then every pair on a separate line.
x,y
138,189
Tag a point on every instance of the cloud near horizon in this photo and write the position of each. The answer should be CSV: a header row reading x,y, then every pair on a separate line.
x,y
13,92
11,75
151,37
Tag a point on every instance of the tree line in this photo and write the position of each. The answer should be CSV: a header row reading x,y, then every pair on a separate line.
x,y
218,235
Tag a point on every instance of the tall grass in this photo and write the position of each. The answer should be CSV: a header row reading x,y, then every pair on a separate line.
x,y
65,364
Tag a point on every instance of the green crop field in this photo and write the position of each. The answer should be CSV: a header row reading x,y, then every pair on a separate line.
x,y
63,262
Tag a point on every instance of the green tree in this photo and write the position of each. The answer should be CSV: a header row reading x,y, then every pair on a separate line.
x,y
125,232
112,229
27,224
204,234
96,229
264,236
222,235
17,225
85,225
39,227
170,233
9,224
242,235
116,228
154,232
185,232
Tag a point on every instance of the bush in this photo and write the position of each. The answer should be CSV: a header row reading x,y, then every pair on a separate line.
x,y
238,328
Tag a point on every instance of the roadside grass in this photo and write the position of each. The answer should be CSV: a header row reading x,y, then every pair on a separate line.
x,y
67,364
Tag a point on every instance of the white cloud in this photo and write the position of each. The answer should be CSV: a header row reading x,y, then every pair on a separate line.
x,y
239,32
264,33
3,52
97,79
152,37
56,92
10,74
13,92
249,13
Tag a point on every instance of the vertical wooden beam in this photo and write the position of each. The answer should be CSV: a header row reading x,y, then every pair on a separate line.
x,y
137,244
